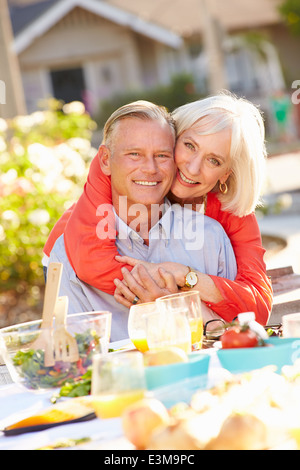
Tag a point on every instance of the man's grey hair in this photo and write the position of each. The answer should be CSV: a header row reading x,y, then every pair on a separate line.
x,y
139,110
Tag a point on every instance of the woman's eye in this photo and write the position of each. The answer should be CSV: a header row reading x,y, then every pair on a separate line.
x,y
214,161
189,145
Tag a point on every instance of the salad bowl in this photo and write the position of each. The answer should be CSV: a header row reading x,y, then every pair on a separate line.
x,y
26,365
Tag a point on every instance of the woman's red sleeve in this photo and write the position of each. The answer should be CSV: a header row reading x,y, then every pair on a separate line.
x,y
89,233
252,288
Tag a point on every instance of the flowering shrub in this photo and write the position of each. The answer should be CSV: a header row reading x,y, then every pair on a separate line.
x,y
44,159
181,90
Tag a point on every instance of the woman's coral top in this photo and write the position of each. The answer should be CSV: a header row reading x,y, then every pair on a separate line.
x,y
93,258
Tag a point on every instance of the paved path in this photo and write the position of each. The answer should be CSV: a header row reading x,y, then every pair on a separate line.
x,y
283,173
284,184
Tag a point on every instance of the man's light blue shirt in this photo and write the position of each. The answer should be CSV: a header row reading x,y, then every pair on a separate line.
x,y
181,235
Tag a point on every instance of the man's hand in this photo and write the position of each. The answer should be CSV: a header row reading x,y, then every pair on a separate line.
x,y
142,285
152,268
178,270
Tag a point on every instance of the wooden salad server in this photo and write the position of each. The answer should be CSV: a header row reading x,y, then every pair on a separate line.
x,y
45,339
65,345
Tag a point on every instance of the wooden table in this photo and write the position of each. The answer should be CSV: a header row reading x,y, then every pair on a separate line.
x,y
286,288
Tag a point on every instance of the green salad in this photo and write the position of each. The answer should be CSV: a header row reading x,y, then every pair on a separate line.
x,y
30,364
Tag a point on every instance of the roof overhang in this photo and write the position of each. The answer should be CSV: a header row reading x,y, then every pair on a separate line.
x,y
121,17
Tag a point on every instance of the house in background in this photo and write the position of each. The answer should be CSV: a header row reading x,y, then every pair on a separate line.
x,y
90,50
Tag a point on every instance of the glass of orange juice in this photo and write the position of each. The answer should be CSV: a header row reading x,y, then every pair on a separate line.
x,y
168,329
188,302
137,324
118,379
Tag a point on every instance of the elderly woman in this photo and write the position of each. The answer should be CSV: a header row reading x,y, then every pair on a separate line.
x,y
220,157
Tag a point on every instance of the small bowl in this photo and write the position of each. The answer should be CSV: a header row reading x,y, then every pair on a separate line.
x,y
160,376
278,352
183,392
26,366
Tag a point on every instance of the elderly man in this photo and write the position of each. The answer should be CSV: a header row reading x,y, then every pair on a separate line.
x,y
137,153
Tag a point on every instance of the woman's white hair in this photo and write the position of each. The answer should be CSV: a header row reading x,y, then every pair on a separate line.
x,y
247,152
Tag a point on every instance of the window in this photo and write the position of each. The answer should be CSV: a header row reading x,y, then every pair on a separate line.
x,y
68,84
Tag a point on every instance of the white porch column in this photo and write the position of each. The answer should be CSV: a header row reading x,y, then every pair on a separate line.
x,y
12,100
131,63
213,48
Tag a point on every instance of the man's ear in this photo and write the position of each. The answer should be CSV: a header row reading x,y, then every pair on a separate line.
x,y
104,158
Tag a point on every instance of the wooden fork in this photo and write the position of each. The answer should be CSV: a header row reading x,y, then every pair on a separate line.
x,y
45,339
65,345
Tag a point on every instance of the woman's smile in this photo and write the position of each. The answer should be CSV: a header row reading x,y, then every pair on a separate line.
x,y
184,179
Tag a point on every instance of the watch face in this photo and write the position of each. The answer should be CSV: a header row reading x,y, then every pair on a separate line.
x,y
192,278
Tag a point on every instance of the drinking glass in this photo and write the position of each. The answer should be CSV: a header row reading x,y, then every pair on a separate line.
x,y
291,325
188,302
168,329
118,380
137,324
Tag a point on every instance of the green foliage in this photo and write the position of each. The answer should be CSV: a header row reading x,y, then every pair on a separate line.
x,y
180,91
44,159
290,11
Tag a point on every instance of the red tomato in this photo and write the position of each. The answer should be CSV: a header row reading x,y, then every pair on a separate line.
x,y
239,337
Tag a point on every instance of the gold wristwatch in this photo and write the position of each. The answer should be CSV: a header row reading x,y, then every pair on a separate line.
x,y
191,278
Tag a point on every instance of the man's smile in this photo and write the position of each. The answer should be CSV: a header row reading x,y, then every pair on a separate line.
x,y
147,183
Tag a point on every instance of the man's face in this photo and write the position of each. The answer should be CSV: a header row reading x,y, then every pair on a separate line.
x,y
141,162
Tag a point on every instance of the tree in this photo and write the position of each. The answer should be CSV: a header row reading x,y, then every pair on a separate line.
x,y
212,40
290,11
12,100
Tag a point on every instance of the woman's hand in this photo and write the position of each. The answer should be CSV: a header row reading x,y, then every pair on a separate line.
x,y
178,270
205,285
143,285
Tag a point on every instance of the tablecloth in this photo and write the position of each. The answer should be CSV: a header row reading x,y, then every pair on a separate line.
x,y
17,403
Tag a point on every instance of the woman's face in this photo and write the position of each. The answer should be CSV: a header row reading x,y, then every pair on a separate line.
x,y
202,161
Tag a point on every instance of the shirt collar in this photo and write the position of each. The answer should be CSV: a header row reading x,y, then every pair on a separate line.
x,y
163,226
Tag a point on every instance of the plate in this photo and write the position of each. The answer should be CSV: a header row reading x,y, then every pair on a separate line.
x,y
73,410
122,345
41,427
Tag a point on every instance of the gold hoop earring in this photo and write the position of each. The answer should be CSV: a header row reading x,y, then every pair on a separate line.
x,y
223,188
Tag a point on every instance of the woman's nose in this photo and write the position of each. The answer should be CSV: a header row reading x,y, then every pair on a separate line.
x,y
194,165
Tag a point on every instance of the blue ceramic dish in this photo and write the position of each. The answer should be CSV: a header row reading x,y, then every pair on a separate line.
x,y
160,376
278,352
181,392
